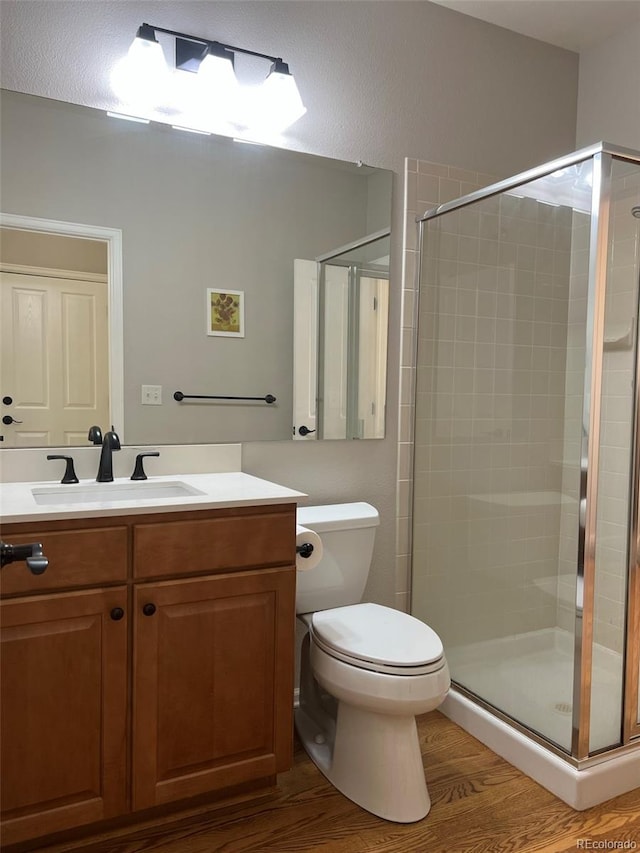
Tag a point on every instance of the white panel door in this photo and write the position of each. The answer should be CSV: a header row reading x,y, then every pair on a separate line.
x,y
372,356
53,359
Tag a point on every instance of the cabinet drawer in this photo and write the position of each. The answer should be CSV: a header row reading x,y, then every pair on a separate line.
x,y
223,543
82,557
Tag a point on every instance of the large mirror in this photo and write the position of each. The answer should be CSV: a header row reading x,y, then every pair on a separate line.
x,y
212,231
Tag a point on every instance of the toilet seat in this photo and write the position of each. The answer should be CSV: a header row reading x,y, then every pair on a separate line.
x,y
377,638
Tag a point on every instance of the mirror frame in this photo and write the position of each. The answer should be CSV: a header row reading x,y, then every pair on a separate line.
x,y
113,239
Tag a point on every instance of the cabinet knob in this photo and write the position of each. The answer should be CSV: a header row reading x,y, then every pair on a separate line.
x,y
149,609
117,613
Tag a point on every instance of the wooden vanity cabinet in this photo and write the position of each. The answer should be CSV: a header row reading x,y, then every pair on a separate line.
x,y
190,691
213,693
63,683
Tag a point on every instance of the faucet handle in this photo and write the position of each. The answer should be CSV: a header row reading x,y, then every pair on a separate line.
x,y
37,562
69,471
95,435
138,471
31,554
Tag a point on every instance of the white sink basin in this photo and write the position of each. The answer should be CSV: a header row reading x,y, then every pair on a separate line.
x,y
86,493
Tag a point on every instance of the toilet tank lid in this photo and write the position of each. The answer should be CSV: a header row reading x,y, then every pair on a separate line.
x,y
338,516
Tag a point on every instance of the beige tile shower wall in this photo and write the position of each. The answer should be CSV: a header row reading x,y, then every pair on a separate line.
x,y
623,266
426,185
617,409
490,408
496,424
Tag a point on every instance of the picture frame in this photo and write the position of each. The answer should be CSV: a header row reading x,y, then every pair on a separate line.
x,y
225,313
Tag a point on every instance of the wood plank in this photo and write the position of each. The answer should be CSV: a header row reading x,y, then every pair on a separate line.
x,y
481,804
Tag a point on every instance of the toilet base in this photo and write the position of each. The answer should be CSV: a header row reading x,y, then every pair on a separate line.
x,y
375,760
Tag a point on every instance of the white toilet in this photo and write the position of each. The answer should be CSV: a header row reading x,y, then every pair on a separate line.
x,y
366,671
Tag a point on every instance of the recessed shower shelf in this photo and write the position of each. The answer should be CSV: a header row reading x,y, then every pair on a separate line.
x,y
560,588
620,339
523,500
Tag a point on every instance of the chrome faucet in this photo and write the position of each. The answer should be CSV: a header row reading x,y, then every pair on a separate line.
x,y
110,442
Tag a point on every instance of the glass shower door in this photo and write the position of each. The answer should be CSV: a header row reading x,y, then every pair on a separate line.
x,y
499,402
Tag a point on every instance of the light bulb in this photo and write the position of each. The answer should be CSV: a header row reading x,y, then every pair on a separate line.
x,y
142,76
217,82
277,103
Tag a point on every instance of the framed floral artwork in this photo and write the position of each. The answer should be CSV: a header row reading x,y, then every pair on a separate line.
x,y
225,313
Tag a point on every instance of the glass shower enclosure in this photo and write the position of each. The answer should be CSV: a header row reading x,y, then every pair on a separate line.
x,y
527,448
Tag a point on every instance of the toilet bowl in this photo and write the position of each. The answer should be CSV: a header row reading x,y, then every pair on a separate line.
x,y
366,671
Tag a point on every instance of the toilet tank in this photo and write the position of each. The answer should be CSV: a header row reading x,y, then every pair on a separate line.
x,y
348,532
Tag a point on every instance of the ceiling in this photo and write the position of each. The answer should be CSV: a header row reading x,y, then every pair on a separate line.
x,y
572,24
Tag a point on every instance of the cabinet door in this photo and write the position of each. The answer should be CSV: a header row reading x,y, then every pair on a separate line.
x,y
213,683
63,713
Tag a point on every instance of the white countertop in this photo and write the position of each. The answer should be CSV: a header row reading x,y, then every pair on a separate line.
x,y
18,504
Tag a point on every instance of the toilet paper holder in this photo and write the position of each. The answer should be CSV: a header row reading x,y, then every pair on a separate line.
x,y
305,549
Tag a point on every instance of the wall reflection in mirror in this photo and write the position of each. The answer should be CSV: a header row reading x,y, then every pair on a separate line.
x,y
196,214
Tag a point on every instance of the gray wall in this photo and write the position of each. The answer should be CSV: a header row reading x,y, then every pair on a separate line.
x,y
381,81
609,91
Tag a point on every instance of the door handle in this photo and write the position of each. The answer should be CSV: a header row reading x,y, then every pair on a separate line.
x,y
7,419
304,430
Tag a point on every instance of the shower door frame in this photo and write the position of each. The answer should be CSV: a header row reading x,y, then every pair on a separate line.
x,y
590,454
601,155
631,724
631,710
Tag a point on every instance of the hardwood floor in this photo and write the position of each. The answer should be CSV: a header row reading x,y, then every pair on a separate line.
x,y
480,804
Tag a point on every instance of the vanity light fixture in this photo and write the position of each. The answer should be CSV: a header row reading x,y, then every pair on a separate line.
x,y
214,95
142,77
279,102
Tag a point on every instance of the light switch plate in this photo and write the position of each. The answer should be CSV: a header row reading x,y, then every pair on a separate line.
x,y
152,395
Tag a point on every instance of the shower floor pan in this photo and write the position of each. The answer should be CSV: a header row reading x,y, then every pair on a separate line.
x,y
530,678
